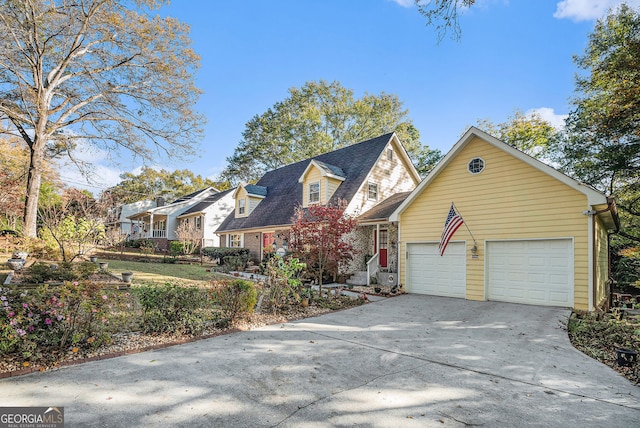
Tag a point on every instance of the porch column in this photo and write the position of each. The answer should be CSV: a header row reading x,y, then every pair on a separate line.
x,y
150,231
378,241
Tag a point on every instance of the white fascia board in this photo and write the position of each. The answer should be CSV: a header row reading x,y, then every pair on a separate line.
x,y
405,156
323,172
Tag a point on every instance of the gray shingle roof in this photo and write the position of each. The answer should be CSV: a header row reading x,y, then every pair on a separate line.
x,y
384,209
206,202
332,169
284,192
252,189
187,197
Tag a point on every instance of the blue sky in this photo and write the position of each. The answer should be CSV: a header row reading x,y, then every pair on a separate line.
x,y
513,54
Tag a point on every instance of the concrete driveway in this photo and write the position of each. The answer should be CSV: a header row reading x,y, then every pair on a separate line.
x,y
405,361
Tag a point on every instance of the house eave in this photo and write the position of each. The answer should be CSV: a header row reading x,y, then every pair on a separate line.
x,y
593,196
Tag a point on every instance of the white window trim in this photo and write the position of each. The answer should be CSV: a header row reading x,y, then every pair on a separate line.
x,y
369,184
230,240
319,190
484,165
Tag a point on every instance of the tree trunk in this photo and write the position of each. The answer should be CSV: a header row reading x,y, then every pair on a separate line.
x,y
33,189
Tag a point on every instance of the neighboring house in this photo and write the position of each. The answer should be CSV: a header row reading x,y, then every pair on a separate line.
x,y
160,223
208,215
118,217
534,235
364,175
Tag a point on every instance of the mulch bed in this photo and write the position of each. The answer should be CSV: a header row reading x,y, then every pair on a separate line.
x,y
601,335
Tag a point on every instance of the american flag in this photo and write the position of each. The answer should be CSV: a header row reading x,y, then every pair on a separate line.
x,y
454,221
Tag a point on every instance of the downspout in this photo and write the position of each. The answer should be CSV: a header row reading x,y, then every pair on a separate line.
x,y
594,260
400,287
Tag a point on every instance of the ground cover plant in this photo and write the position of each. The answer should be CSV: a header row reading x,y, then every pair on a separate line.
x,y
47,325
600,335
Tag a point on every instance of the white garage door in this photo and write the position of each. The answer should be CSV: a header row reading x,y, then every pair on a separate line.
x,y
538,272
430,273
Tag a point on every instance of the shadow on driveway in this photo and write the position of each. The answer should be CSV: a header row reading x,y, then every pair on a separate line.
x,y
405,361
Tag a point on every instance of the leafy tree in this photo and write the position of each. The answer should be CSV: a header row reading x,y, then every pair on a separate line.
x,y
443,14
74,224
151,183
602,146
12,177
317,118
529,133
319,238
98,72
14,167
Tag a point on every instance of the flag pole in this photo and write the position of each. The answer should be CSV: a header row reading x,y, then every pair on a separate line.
x,y
465,223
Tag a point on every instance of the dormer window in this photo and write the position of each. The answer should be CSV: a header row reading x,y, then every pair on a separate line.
x,y
314,192
242,206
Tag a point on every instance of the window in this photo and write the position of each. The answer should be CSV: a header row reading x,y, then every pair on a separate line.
x,y
373,191
235,241
476,165
314,192
198,223
241,206
390,154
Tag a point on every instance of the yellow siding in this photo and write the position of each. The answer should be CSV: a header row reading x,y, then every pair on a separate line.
x,y
331,186
313,175
601,264
391,176
252,203
508,200
242,194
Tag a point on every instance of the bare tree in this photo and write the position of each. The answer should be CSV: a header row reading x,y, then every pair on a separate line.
x,y
96,72
443,14
190,235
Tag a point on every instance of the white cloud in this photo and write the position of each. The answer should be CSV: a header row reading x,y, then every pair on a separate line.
x,y
586,10
404,3
548,114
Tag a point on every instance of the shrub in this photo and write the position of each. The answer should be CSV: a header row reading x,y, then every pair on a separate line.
x,y
44,248
236,298
38,273
236,262
172,307
219,253
140,243
284,280
86,269
176,247
35,320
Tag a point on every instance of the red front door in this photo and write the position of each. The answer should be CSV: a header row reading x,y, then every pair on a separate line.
x,y
383,248
268,239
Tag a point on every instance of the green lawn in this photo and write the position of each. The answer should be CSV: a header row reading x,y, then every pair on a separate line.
x,y
164,272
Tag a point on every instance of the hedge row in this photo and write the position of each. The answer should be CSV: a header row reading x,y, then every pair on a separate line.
x,y
222,252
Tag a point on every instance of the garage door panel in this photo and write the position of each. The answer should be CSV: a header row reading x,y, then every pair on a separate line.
x,y
430,273
534,272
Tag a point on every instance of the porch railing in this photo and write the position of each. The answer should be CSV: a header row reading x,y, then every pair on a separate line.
x,y
159,233
372,267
